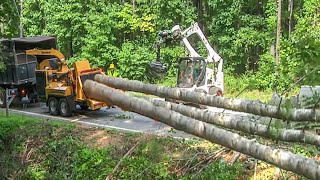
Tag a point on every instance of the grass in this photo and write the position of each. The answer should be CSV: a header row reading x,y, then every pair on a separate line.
x,y
38,149
263,96
233,88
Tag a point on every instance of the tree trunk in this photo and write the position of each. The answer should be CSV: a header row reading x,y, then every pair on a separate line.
x,y
283,159
134,6
21,14
240,105
278,35
1,23
290,9
273,50
199,7
240,123
2,27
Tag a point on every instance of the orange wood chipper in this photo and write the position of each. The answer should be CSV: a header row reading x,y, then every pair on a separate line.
x,y
61,87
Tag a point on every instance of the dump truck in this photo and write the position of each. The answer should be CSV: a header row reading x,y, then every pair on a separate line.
x,y
20,67
37,72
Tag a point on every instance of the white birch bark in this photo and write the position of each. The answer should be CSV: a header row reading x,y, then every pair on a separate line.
x,y
309,168
240,123
240,105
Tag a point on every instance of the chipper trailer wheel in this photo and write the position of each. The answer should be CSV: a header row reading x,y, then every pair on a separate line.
x,y
2,101
2,98
65,110
53,106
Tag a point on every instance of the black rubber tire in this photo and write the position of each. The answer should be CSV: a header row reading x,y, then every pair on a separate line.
x,y
53,106
2,98
215,90
17,101
64,108
84,107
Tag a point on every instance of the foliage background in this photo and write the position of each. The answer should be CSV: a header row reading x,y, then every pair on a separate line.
x,y
123,32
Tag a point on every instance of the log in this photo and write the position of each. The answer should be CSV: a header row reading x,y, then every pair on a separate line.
x,y
280,158
240,105
240,123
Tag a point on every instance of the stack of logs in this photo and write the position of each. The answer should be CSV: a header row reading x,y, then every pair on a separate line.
x,y
215,127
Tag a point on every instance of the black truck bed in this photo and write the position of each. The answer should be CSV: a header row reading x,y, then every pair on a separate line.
x,y
20,68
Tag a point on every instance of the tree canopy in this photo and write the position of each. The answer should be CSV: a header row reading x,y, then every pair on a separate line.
x,y
123,32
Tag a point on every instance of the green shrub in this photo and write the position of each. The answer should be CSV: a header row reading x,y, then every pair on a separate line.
x,y
218,171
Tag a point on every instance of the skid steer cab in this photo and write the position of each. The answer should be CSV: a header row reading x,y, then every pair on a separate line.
x,y
61,87
194,75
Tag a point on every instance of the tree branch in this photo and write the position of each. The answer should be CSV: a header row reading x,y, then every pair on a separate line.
x,y
121,160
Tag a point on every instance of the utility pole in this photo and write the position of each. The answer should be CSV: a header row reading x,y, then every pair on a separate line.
x,y
10,94
6,102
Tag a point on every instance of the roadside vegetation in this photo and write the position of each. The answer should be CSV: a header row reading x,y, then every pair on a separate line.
x,y
43,149
36,149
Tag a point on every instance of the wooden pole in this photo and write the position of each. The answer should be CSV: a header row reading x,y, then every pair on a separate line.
x,y
7,102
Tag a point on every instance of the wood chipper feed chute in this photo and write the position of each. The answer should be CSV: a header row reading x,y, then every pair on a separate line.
x,y
83,72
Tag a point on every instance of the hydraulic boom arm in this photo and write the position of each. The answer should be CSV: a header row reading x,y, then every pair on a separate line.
x,y
195,29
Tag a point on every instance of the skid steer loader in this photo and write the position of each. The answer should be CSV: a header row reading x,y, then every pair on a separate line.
x,y
195,72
